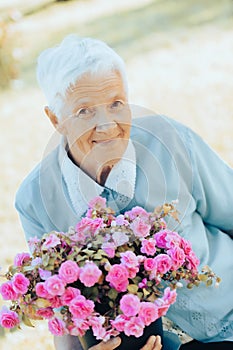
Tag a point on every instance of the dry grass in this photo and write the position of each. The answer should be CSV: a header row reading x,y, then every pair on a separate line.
x,y
185,73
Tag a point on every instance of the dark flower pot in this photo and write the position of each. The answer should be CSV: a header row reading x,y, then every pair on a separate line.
x,y
88,340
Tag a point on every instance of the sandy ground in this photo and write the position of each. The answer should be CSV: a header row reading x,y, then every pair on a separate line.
x,y
186,75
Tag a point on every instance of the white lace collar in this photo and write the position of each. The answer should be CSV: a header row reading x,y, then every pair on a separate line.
x,y
82,188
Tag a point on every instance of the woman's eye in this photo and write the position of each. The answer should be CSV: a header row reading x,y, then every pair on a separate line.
x,y
117,104
85,112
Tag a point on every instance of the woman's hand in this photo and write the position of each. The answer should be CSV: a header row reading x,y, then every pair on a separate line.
x,y
109,345
153,343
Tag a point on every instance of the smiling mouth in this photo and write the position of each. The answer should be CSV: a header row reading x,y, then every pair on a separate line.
x,y
106,141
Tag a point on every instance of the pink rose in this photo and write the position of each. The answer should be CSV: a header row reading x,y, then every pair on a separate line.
x,y
96,320
192,261
149,264
79,328
119,322
135,327
121,221
87,227
141,258
8,318
140,228
186,246
148,246
178,257
118,277
44,274
161,307
56,326
133,271
69,271
83,229
50,242
96,225
20,283
46,312
55,302
21,258
41,291
8,292
173,239
97,203
89,274
54,285
130,304
129,259
81,308
120,238
69,295
161,238
33,243
169,296
137,212
148,312
163,263
96,324
109,248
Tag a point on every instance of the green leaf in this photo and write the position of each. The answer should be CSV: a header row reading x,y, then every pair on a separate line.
x,y
152,298
90,292
98,240
209,282
111,303
80,258
28,268
140,295
12,269
2,332
52,261
112,294
132,288
41,303
136,279
202,277
50,267
45,259
26,320
88,252
145,292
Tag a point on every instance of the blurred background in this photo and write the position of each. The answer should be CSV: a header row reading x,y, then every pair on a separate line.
x,y
179,57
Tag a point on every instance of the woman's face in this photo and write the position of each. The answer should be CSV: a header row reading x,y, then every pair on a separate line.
x,y
96,121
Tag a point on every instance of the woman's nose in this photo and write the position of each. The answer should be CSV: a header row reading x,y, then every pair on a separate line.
x,y
104,120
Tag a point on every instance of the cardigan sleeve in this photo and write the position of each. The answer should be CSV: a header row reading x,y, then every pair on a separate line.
x,y
31,227
30,223
212,185
30,208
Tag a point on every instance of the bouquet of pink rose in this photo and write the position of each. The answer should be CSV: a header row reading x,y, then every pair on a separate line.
x,y
110,274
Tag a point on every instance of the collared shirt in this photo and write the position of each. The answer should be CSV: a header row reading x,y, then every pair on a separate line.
x,y
82,188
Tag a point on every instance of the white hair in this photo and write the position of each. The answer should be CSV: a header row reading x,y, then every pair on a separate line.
x,y
62,66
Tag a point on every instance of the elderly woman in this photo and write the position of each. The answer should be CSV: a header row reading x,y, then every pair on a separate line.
x,y
145,162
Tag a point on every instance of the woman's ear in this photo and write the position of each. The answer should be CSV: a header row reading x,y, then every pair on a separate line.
x,y
53,118
58,125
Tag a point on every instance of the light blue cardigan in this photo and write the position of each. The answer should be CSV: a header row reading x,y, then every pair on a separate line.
x,y
172,163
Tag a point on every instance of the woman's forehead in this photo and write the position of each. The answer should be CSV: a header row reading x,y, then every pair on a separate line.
x,y
99,87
